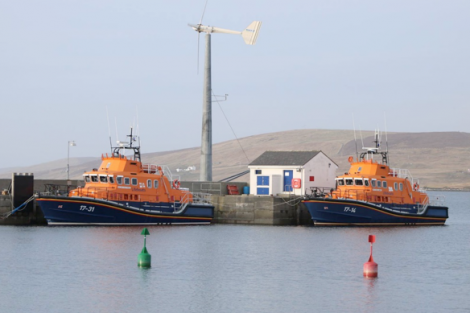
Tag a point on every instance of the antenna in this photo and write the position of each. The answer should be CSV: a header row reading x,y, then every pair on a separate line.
x,y
137,131
386,136
362,139
355,139
249,35
115,123
109,128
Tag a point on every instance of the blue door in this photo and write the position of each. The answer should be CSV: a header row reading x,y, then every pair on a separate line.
x,y
288,175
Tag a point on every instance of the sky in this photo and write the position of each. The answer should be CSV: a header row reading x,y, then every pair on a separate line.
x,y
87,69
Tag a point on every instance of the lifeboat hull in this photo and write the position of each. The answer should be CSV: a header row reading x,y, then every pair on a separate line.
x,y
338,212
79,211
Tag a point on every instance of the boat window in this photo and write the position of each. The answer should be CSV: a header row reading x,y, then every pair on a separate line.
x,y
401,187
134,181
86,178
366,182
94,178
340,182
111,179
149,183
103,179
119,180
396,186
373,182
384,184
359,169
126,181
349,181
379,183
358,182
155,183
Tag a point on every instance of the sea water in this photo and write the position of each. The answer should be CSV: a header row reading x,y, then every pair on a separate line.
x,y
234,268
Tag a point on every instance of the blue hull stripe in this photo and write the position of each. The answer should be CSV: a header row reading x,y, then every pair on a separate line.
x,y
66,211
346,212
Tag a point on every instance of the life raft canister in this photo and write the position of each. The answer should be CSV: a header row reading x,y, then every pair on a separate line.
x,y
176,184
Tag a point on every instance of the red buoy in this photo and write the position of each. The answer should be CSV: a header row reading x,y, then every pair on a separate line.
x,y
370,267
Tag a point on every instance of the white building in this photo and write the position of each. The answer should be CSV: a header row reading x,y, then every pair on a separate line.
x,y
291,172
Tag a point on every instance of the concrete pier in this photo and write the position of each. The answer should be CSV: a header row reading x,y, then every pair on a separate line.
x,y
229,209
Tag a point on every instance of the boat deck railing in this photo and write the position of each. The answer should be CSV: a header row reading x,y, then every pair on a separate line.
x,y
202,198
437,200
107,194
155,169
362,195
402,173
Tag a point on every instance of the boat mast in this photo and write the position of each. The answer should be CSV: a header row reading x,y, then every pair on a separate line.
x,y
125,146
375,150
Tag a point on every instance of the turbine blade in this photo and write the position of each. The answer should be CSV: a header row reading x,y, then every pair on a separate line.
x,y
204,11
198,53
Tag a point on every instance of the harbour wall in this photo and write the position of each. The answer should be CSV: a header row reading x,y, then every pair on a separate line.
x,y
228,209
260,210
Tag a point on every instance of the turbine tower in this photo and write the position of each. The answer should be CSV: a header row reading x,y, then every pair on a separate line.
x,y
249,34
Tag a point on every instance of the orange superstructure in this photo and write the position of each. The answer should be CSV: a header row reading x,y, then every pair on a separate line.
x,y
120,178
373,181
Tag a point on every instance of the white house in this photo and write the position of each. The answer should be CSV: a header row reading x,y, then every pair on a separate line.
x,y
291,172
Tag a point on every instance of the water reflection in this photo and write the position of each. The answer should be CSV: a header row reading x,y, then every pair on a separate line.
x,y
227,268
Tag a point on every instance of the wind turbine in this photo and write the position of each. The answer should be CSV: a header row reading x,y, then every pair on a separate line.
x,y
249,35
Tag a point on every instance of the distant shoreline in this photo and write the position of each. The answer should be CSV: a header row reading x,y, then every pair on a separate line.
x,y
447,189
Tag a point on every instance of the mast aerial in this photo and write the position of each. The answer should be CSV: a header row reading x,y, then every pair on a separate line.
x,y
370,152
124,145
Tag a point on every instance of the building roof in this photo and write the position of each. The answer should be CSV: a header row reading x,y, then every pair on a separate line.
x,y
296,158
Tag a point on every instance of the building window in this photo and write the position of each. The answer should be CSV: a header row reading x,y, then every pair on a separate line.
x,y
263,180
258,172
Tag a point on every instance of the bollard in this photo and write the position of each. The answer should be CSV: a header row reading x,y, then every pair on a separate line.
x,y
144,258
370,267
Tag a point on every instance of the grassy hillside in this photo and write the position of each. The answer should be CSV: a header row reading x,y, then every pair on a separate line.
x,y
439,160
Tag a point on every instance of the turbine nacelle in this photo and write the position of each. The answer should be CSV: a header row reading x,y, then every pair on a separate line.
x,y
249,34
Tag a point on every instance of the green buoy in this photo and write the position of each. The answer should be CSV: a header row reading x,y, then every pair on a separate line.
x,y
144,258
